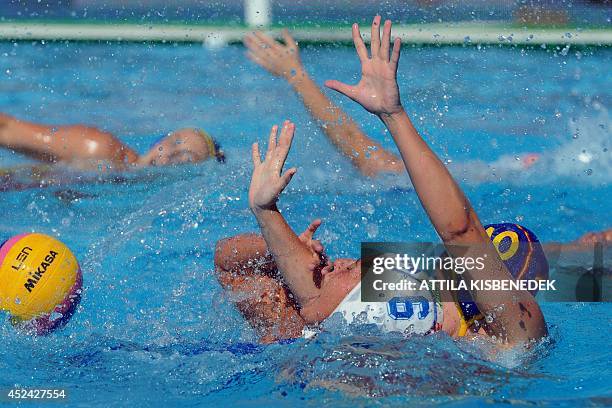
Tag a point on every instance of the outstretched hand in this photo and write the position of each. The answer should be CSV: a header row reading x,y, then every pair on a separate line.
x,y
280,60
377,91
268,181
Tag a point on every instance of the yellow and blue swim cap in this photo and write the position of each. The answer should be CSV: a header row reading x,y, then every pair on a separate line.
x,y
40,282
214,150
522,254
520,250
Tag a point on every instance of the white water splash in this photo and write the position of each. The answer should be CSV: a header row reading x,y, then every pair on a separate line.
x,y
583,156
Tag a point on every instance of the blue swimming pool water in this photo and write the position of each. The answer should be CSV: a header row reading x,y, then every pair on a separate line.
x,y
155,327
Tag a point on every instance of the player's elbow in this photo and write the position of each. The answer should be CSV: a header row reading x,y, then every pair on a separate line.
x,y
98,145
458,228
368,171
531,322
526,326
373,164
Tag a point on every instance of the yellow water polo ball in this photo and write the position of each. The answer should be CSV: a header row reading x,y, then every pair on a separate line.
x,y
40,282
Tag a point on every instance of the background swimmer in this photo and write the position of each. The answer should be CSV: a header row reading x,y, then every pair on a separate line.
x,y
366,154
604,237
301,287
87,147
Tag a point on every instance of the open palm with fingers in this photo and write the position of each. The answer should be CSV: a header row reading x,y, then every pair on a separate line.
x,y
377,91
280,60
268,181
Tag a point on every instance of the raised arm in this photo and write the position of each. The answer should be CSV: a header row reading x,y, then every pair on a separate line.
x,y
284,61
293,257
519,319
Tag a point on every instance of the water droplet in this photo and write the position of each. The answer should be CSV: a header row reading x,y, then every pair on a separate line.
x,y
55,316
565,50
372,230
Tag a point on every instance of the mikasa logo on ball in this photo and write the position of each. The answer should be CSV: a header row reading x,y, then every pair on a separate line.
x,y
36,276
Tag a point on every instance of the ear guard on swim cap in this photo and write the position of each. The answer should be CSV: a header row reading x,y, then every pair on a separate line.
x,y
522,254
40,282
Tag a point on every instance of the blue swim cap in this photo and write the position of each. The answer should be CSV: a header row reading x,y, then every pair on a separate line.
x,y
522,254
